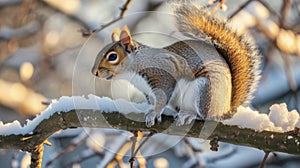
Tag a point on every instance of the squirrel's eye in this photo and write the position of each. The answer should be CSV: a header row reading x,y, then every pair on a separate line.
x,y
112,57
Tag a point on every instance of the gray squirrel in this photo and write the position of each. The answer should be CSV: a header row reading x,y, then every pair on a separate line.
x,y
206,78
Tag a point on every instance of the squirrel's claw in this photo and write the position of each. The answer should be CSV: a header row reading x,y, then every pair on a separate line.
x,y
150,118
158,118
185,118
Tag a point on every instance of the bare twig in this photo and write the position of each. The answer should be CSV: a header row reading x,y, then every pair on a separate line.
x,y
275,159
121,15
292,83
195,150
240,8
269,61
263,163
36,156
296,8
142,144
111,159
133,140
195,162
140,159
284,10
274,39
220,5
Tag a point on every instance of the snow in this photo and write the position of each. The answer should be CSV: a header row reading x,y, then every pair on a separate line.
x,y
65,104
279,119
280,116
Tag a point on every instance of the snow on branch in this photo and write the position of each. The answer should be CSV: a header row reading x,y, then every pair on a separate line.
x,y
95,112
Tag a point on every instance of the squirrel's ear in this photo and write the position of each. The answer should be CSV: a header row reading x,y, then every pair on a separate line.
x,y
125,37
116,34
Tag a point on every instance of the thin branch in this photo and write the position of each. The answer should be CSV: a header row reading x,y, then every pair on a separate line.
x,y
36,156
284,10
188,143
240,8
274,159
296,8
133,140
292,83
143,143
220,5
195,162
273,12
134,152
264,159
121,15
113,159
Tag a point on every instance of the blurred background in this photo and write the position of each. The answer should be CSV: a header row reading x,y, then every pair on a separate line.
x,y
47,50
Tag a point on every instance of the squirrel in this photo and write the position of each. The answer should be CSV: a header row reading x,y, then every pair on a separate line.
x,y
206,78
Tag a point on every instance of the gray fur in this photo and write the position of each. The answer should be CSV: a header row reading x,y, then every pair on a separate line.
x,y
189,77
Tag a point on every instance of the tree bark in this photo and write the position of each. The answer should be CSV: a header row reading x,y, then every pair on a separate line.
x,y
287,142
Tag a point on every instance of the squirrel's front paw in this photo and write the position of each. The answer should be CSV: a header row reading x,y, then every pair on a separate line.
x,y
150,118
185,118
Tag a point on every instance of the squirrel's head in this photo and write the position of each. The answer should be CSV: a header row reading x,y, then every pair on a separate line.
x,y
112,56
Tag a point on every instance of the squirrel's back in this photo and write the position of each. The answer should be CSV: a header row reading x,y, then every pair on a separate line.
x,y
236,49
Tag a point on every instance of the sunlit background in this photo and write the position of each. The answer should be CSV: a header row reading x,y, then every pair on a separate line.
x,y
44,55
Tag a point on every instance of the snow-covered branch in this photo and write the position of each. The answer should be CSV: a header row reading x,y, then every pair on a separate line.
x,y
73,112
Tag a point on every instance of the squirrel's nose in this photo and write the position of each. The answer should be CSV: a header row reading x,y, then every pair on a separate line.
x,y
95,71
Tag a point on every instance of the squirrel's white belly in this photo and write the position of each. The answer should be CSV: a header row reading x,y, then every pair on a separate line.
x,y
186,95
136,80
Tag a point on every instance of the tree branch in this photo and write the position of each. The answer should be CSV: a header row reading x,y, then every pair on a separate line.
x,y
123,9
268,141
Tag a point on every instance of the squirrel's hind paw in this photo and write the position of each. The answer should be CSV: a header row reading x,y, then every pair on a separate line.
x,y
150,118
185,118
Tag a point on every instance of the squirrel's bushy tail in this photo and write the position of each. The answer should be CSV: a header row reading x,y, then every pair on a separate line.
x,y
237,50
